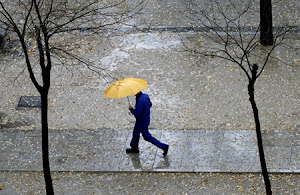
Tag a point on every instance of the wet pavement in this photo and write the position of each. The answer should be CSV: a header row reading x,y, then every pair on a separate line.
x,y
190,151
187,94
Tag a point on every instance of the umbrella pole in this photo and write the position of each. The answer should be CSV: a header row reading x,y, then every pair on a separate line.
x,y
129,105
128,100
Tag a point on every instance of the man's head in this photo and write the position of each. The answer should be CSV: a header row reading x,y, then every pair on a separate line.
x,y
139,93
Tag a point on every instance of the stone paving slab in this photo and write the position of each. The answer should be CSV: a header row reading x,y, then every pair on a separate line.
x,y
190,151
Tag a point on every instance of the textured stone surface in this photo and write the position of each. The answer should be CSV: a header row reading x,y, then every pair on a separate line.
x,y
190,151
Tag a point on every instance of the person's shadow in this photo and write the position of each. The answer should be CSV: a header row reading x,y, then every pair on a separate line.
x,y
136,161
163,163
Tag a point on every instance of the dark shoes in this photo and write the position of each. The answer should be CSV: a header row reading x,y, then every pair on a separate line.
x,y
166,150
132,150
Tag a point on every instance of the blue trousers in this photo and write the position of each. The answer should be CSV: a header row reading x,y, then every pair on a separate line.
x,y
143,129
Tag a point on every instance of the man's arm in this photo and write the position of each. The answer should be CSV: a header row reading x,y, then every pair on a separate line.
x,y
138,109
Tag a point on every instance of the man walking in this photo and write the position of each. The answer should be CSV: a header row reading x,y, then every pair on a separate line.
x,y
142,115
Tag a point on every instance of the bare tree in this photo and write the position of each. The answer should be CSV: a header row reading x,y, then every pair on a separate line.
x,y
230,32
42,21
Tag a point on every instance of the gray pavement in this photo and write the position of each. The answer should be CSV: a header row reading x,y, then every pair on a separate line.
x,y
186,94
190,151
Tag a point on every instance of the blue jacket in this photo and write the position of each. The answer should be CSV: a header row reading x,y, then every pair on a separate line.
x,y
142,109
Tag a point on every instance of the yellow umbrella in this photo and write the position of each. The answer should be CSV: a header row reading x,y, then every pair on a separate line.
x,y
125,87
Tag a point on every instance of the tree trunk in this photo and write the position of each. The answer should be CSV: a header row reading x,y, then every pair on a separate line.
x,y
259,138
45,143
266,26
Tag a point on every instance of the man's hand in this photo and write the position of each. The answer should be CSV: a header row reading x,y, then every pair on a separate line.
x,y
130,107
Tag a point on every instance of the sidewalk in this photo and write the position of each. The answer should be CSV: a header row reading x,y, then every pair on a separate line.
x,y
190,151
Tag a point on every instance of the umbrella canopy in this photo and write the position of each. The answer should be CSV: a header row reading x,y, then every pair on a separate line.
x,y
125,87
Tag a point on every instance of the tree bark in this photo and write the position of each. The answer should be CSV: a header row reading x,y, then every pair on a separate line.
x,y
266,26
45,142
259,138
